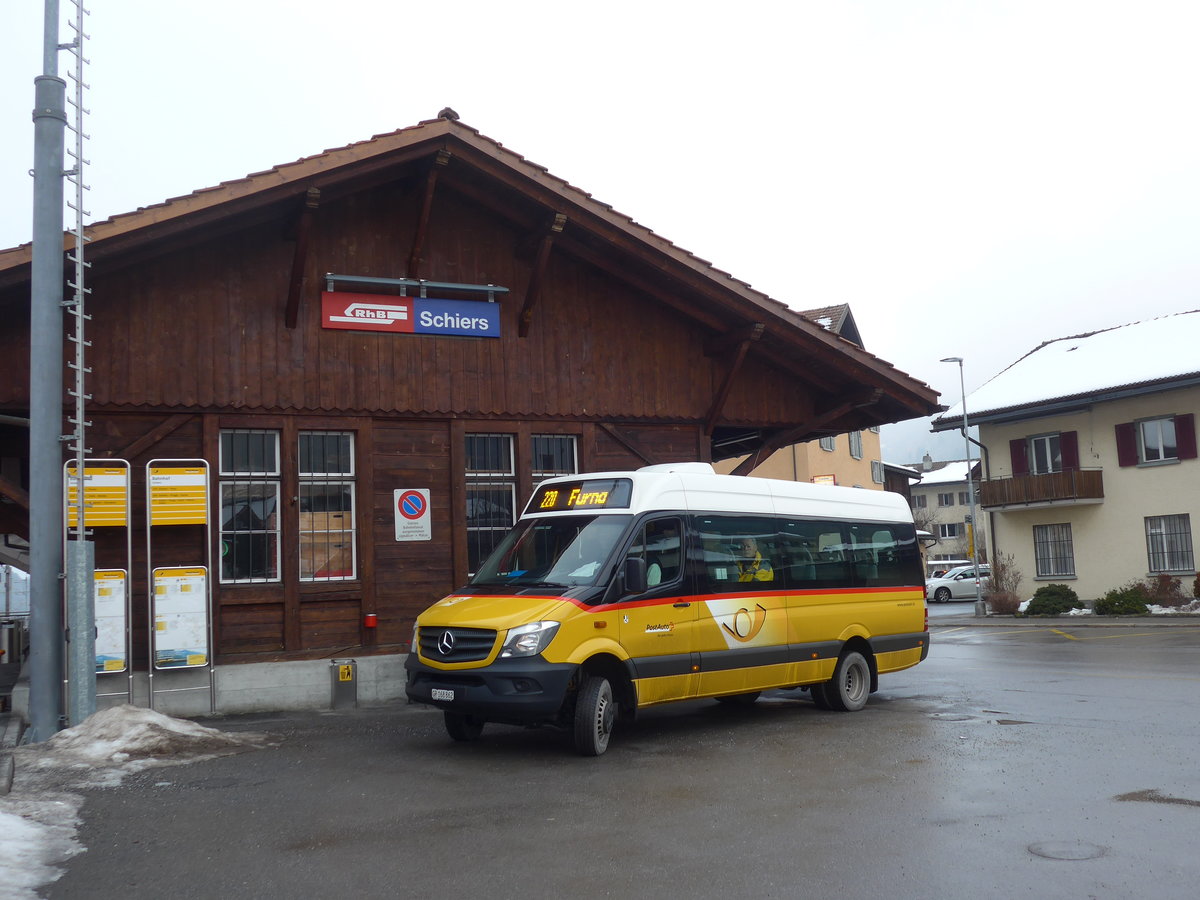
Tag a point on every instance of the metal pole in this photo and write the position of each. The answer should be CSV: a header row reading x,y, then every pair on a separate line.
x,y
980,607
45,394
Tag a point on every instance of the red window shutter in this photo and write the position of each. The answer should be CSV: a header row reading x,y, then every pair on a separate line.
x,y
1185,436
1019,451
1068,445
1127,452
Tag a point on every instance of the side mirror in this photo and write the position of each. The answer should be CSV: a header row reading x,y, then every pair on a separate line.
x,y
635,575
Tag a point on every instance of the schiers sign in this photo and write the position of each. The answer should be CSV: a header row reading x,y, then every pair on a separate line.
x,y
409,315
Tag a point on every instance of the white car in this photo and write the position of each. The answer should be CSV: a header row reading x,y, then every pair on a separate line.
x,y
957,584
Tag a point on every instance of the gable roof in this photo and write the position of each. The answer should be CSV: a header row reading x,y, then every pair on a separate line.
x,y
1072,372
871,390
838,319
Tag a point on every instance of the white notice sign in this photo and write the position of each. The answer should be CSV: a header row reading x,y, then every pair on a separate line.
x,y
411,507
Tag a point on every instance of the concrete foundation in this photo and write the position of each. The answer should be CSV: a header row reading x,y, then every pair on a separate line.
x,y
253,687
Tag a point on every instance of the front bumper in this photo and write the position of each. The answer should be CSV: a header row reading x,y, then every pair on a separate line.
x,y
525,691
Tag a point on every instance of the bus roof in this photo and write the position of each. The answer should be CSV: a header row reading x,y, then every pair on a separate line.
x,y
696,487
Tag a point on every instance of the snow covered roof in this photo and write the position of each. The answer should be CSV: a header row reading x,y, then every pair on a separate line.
x,y
950,473
1141,355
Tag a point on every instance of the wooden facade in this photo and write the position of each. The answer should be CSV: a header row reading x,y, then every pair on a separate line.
x,y
206,316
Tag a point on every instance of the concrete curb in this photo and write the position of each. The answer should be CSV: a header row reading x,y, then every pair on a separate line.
x,y
1075,621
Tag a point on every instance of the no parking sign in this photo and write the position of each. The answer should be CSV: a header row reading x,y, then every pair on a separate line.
x,y
411,506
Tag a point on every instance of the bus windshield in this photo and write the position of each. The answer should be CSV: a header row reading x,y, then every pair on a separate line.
x,y
556,551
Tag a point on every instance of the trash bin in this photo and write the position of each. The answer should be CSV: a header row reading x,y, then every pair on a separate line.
x,y
343,675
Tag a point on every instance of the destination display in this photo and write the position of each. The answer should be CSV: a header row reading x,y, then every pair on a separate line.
x,y
409,315
601,493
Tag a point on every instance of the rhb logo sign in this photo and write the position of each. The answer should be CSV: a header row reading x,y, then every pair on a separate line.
x,y
366,312
409,315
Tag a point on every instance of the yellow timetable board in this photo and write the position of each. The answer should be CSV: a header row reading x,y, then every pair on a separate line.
x,y
178,495
105,496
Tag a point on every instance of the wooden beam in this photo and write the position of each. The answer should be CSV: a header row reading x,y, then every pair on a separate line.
x,y
14,492
615,435
312,199
440,161
152,437
738,352
534,288
802,431
722,344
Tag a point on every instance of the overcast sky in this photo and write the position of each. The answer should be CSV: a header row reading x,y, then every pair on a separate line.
x,y
972,178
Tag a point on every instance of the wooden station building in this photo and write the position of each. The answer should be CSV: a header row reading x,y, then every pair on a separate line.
x,y
423,316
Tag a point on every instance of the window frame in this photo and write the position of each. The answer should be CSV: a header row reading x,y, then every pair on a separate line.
x,y
231,480
1054,550
1157,540
344,479
1052,441
1142,448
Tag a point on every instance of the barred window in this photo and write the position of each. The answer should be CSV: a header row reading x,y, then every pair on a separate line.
x,y
328,536
491,494
1053,550
553,454
1169,543
249,470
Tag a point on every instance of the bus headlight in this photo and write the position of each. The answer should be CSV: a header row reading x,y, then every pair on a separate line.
x,y
528,640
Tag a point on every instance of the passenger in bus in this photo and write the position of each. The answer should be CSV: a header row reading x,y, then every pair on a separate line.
x,y
751,564
664,565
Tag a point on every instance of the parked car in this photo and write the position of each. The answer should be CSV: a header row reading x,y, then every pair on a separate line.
x,y
957,584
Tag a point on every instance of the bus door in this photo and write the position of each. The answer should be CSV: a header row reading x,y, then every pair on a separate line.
x,y
658,627
742,629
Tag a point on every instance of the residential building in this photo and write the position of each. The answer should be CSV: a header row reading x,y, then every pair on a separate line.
x,y
1090,464
941,503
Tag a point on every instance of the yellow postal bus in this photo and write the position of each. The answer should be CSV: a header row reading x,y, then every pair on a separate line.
x,y
621,590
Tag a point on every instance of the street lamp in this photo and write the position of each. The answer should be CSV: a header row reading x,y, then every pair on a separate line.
x,y
980,609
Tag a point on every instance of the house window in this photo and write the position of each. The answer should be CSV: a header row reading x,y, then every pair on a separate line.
x,y
952,530
1053,550
1169,543
829,442
1045,454
1156,440
553,454
919,501
877,471
327,532
856,444
249,471
491,493
946,499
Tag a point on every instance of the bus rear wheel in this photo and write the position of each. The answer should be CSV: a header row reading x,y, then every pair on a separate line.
x,y
595,712
850,686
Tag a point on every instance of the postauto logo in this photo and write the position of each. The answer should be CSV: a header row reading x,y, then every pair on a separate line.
x,y
409,315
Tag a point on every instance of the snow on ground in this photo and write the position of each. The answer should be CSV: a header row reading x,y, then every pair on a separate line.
x,y
39,818
1188,609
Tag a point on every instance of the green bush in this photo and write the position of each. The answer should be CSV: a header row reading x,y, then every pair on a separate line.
x,y
1124,601
1053,600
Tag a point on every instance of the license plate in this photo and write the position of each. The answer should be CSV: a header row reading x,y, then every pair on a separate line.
x,y
441,694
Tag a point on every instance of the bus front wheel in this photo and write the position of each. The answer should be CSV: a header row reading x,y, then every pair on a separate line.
x,y
595,712
462,727
850,686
